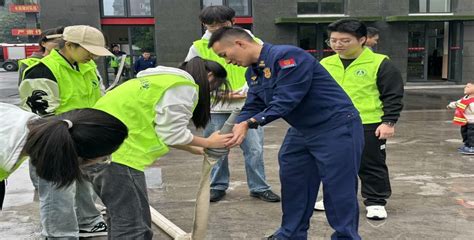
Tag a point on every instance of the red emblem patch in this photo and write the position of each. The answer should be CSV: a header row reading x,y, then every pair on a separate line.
x,y
287,63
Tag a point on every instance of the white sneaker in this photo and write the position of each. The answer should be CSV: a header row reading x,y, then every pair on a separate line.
x,y
376,212
319,205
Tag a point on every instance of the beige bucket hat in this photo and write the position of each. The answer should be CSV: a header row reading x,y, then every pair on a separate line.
x,y
88,37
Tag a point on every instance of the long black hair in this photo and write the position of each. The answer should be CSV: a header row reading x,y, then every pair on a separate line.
x,y
219,87
59,145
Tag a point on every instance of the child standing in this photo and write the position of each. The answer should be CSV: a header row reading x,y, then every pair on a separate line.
x,y
464,117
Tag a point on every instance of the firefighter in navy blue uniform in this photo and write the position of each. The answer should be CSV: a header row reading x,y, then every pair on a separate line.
x,y
325,138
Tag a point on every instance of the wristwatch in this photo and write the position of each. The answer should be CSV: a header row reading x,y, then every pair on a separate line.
x,y
391,124
252,124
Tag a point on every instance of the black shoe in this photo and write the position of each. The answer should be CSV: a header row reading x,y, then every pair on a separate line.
x,y
271,237
217,195
267,196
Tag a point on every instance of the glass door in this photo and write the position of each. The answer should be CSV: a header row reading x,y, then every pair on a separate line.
x,y
455,52
416,52
427,52
312,37
435,46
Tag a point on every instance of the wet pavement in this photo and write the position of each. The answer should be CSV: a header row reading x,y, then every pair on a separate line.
x,y
432,184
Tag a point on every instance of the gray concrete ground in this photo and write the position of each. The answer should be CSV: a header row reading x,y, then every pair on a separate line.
x,y
432,184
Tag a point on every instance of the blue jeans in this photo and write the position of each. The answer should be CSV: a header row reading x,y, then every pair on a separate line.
x,y
63,211
252,147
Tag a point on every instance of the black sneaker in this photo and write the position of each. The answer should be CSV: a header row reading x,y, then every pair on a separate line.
x,y
217,195
271,237
100,229
267,196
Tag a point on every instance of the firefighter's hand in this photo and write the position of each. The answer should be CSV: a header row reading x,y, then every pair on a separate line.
x,y
240,131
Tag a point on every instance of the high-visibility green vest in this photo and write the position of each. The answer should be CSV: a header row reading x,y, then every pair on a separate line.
x,y
359,81
134,103
29,61
23,64
113,61
77,89
235,74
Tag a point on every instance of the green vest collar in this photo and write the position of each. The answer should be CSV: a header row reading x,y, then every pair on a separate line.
x,y
365,57
57,57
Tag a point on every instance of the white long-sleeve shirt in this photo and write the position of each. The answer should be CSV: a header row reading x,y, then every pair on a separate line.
x,y
13,134
175,108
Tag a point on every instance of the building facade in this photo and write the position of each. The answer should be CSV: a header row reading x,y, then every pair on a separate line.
x,y
429,40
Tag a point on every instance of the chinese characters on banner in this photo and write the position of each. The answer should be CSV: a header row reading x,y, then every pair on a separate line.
x,y
26,32
33,8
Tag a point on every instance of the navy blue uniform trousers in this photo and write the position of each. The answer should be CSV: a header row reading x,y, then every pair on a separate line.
x,y
332,157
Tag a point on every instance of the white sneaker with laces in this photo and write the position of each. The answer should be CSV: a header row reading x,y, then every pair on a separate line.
x,y
376,212
319,205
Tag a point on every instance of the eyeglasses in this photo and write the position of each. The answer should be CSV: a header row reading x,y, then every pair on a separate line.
x,y
344,42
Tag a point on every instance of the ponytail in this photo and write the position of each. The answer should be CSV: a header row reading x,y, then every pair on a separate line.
x,y
52,151
59,145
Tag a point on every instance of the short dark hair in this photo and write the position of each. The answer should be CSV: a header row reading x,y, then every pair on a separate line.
x,y
216,14
199,68
349,25
44,36
57,150
225,32
371,31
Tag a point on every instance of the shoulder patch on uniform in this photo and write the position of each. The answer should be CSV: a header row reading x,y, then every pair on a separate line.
x,y
287,63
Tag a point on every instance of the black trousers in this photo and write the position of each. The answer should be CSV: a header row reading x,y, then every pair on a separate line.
x,y
2,193
467,133
373,172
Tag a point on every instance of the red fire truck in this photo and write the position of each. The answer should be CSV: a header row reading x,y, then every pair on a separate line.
x,y
11,53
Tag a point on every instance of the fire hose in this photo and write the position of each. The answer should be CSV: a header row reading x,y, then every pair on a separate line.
x,y
201,209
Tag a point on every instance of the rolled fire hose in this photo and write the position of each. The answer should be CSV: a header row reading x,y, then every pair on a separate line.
x,y
201,209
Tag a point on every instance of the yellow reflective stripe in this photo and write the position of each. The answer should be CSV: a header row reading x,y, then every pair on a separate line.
x,y
460,119
460,105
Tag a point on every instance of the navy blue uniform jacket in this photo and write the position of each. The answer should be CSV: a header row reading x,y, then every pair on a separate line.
x,y
289,83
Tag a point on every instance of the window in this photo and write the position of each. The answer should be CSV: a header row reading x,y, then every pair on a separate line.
x,y
113,7
430,6
241,7
207,3
321,7
140,8
126,8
